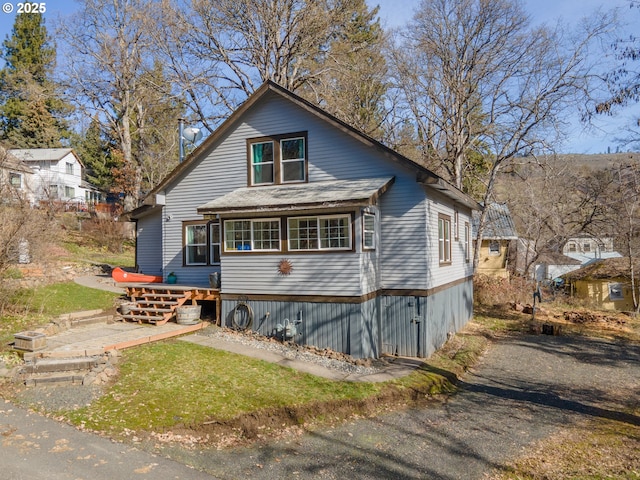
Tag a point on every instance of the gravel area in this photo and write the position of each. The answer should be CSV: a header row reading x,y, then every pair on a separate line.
x,y
326,358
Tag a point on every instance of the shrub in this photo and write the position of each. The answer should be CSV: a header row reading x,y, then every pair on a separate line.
x,y
489,291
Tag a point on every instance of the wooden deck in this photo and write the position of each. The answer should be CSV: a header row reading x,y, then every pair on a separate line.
x,y
157,302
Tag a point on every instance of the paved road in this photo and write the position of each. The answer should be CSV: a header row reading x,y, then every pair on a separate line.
x,y
522,391
36,447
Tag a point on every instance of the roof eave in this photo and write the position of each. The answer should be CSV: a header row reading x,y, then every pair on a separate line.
x,y
294,207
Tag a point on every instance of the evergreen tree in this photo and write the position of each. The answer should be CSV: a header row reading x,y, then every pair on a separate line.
x,y
31,111
95,152
351,80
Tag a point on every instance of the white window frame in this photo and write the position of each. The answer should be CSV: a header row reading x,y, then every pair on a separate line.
x,y
302,160
214,228
272,162
467,242
368,234
188,245
250,240
616,291
319,240
444,239
493,251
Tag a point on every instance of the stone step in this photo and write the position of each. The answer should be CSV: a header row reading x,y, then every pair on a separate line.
x,y
55,378
49,365
92,320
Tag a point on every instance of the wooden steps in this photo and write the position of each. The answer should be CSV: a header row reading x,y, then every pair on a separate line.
x,y
157,303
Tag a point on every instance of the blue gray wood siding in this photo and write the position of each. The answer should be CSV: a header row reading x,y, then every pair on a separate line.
x,y
341,327
418,326
395,325
149,243
406,254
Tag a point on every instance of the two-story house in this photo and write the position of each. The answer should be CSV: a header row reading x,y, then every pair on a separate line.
x,y
307,220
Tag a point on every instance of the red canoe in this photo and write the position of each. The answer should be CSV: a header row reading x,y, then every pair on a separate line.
x,y
120,275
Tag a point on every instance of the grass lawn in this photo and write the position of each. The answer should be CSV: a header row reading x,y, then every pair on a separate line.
x,y
174,382
177,384
34,307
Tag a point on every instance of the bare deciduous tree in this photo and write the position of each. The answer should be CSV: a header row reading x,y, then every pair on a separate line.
x,y
220,52
476,75
21,226
110,42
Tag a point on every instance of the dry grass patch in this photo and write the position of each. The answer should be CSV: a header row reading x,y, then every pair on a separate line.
x,y
595,449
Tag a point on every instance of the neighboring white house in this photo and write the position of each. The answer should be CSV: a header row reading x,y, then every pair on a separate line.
x,y
16,176
58,175
308,221
577,253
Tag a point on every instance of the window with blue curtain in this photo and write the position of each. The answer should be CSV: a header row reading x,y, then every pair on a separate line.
x,y
262,162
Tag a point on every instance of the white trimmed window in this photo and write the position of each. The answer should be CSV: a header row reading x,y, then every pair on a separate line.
x,y
246,235
277,159
616,291
467,242
292,155
369,231
195,244
320,233
201,242
262,166
214,242
494,248
444,239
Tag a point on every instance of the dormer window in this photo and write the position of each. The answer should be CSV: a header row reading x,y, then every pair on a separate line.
x,y
278,159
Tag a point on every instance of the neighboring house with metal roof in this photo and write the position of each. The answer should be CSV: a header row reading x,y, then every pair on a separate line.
x,y
58,175
499,233
306,220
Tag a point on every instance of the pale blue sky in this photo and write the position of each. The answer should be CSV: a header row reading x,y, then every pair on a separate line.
x,y
395,13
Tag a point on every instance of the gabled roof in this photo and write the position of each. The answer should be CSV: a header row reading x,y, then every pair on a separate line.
x,y
301,196
423,175
499,224
28,155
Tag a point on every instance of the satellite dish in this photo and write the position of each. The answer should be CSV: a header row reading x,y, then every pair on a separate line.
x,y
192,134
